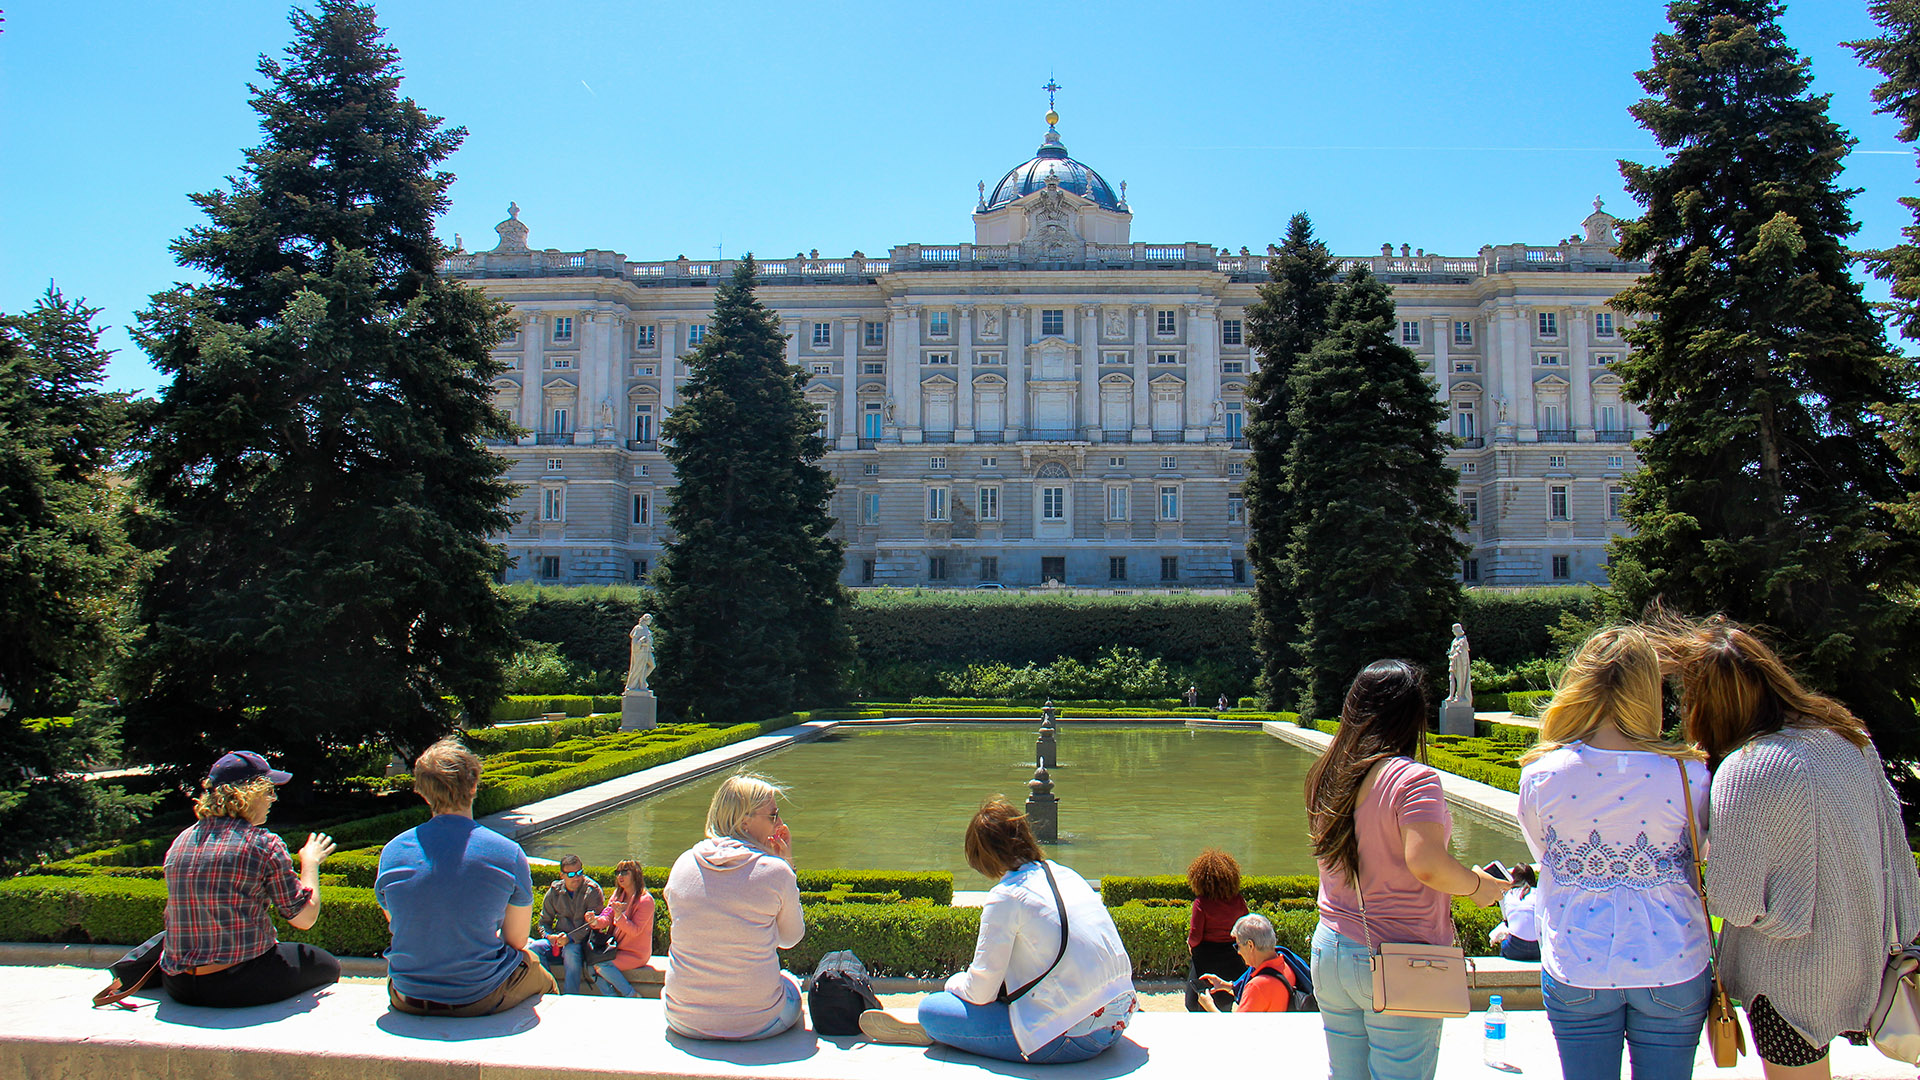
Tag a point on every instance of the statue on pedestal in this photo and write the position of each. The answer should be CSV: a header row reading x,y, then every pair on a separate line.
x,y
640,663
1459,667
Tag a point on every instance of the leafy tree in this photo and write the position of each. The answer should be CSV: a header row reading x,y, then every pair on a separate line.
x,y
313,477
1762,491
750,604
1289,317
65,569
1374,551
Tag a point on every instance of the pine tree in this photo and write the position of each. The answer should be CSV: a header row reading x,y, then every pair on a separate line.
x,y
1374,550
1762,368
1282,326
750,602
314,476
65,570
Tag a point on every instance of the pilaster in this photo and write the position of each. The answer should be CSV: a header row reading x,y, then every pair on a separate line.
x,y
963,406
1087,408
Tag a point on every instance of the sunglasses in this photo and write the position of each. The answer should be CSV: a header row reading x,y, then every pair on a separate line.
x,y
574,873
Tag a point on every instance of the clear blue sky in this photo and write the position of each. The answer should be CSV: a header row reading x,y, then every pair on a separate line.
x,y
658,130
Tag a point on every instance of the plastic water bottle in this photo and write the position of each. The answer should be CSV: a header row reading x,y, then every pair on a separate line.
x,y
1495,1050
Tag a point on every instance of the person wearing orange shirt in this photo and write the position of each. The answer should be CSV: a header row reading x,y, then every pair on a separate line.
x,y
1267,985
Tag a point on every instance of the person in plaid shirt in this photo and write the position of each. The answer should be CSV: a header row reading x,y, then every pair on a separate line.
x,y
222,874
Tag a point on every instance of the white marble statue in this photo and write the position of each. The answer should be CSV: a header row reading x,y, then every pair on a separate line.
x,y
1459,667
640,665
990,323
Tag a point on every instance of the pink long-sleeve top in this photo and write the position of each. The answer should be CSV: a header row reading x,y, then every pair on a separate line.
x,y
634,932
732,907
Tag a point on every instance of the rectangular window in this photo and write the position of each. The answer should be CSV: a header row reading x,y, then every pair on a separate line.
x,y
1232,367
1562,568
1239,571
1609,418
1236,468
866,571
639,569
936,568
870,515
1548,359
549,566
936,504
553,504
1549,324
1113,358
989,504
1236,420
555,464
990,358
1169,502
1616,461
937,324
1116,568
1231,333
873,367
1409,331
1168,463
562,421
643,369
1603,324
643,337
989,568
1550,416
1053,568
940,358
1053,322
1469,569
938,461
1116,463
822,335
1616,502
1169,568
697,334
876,334
1117,503
1470,502
1557,502
1468,468
1465,420
563,328
871,468
821,369
991,461
1463,367
560,363
1605,360
1462,332
639,470
1053,504
1556,461
875,420
1163,322
643,509
1236,510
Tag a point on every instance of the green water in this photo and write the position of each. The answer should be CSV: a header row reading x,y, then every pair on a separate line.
x,y
1133,800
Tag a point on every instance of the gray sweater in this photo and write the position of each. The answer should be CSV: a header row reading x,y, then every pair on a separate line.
x,y
1808,868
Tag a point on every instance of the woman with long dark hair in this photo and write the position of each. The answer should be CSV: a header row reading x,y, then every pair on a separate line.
x,y
1380,829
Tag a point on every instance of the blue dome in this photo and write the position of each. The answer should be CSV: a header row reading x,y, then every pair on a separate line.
x,y
1052,160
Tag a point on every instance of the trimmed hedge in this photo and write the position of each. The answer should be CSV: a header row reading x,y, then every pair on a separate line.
x,y
500,740
576,763
528,706
1257,889
1528,702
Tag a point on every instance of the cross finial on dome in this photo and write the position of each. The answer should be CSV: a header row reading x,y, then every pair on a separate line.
x,y
1051,87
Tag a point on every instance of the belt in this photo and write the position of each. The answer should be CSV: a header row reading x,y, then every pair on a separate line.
x,y
424,1005
209,969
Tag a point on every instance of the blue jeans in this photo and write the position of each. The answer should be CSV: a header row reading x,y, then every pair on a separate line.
x,y
613,978
1660,1025
1362,1043
987,1030
572,958
788,1016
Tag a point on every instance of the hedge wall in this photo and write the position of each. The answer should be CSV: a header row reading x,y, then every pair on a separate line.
x,y
970,627
528,706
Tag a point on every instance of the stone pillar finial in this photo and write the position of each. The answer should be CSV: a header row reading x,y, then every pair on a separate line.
x,y
1043,809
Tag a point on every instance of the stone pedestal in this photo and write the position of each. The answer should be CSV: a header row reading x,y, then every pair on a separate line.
x,y
1456,717
638,710
1043,809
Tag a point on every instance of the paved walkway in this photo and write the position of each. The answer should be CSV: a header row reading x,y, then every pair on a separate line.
x,y
345,1032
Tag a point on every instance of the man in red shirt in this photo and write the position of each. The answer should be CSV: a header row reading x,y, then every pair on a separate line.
x,y
1267,985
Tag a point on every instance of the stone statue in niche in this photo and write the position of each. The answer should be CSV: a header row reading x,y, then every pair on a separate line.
x,y
1500,409
640,658
990,323
1459,667
1116,324
606,412
888,409
1219,413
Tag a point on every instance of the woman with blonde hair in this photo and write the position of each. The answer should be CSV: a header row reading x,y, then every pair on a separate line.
x,y
629,915
1811,876
735,902
1604,804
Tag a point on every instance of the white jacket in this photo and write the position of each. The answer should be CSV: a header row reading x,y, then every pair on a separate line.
x,y
1020,936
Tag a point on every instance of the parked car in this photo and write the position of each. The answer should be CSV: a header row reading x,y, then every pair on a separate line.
x,y
989,585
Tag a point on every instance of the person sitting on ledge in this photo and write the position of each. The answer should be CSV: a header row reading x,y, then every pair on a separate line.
x,y
734,901
629,915
1267,984
563,920
222,874
460,898
1050,981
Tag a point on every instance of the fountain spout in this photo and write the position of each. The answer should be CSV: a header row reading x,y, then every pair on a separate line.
x,y
1043,809
1044,745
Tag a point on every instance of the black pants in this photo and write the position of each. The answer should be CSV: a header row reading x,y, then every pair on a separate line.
x,y
275,975
1213,958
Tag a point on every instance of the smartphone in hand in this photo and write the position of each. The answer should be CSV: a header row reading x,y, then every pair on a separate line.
x,y
1497,869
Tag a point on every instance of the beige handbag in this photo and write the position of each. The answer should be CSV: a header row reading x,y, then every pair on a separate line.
x,y
1415,979
1725,1039
1895,1022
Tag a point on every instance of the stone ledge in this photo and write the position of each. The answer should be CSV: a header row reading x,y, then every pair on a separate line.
x,y
48,1032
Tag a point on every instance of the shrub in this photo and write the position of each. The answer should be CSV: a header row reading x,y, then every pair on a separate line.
x,y
1509,626
1528,702
587,625
528,706
1256,889
538,668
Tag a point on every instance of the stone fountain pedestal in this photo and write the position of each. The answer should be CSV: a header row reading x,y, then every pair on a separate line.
x,y
638,710
1456,717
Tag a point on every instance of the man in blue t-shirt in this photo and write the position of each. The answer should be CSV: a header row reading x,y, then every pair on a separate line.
x,y
460,898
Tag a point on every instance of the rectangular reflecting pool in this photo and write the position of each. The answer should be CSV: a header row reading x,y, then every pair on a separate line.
x,y
1134,799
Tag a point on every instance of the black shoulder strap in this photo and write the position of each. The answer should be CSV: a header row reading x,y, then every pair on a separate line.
x,y
1016,995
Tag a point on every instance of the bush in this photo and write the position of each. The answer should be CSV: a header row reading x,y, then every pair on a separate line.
x,y
1528,702
499,740
1509,626
588,625
528,706
1256,889
538,668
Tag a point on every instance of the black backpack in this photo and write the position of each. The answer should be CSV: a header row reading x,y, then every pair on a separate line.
x,y
838,991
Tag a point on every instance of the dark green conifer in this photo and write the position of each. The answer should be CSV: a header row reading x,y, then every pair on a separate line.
x,y
1289,317
1762,489
1374,551
314,476
750,602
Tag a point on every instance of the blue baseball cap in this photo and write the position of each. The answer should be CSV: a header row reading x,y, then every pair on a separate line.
x,y
240,766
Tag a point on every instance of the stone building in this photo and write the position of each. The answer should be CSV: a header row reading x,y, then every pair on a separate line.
x,y
1053,401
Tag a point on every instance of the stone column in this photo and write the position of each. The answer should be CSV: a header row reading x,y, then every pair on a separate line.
x,y
596,356
1580,375
963,361
532,397
849,384
1503,350
1526,425
1142,402
1087,336
1442,368
1203,367
1017,371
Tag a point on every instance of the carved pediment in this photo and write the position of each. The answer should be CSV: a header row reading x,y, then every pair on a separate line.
x,y
1550,382
872,388
938,382
1607,381
1467,388
642,394
989,381
559,388
1118,379
1167,380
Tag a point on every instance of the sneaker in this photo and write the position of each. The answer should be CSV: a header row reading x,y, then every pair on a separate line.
x,y
882,1026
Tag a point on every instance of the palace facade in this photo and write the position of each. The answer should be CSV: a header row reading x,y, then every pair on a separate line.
x,y
1053,401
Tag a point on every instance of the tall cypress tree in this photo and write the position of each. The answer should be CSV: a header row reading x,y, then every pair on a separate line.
x,y
750,602
1761,493
313,476
1374,550
1289,317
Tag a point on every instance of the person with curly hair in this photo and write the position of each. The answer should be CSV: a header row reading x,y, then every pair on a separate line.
x,y
1217,904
